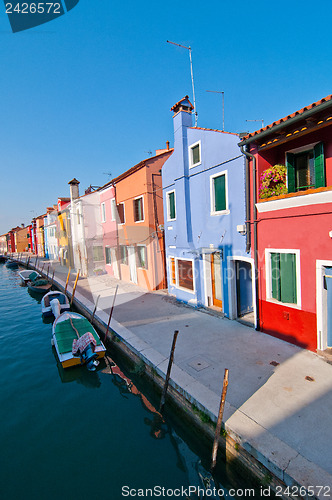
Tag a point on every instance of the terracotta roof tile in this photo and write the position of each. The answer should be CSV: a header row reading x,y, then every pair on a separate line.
x,y
213,130
185,98
288,117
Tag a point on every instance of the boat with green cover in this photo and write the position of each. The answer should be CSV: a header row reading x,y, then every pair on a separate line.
x,y
70,327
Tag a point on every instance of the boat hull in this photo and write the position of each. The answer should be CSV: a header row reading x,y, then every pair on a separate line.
x,y
64,336
46,307
39,289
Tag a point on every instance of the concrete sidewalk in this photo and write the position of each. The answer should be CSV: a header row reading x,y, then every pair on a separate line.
x,y
279,399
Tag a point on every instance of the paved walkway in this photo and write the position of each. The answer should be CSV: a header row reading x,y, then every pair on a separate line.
x,y
279,399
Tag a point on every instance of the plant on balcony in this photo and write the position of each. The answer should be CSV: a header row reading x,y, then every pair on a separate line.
x,y
273,181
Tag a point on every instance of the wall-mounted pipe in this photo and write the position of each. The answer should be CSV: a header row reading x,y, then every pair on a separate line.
x,y
252,157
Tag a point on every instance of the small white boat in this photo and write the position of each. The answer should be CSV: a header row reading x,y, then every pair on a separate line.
x,y
70,327
27,275
54,303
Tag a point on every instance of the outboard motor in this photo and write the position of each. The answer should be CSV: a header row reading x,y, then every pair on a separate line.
x,y
90,358
56,308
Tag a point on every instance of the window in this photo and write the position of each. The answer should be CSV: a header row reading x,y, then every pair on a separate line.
x,y
113,209
98,253
121,213
103,212
172,270
142,256
123,254
108,257
283,277
185,274
195,154
170,200
138,209
218,186
306,169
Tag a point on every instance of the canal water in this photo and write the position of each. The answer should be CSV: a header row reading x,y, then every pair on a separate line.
x,y
76,434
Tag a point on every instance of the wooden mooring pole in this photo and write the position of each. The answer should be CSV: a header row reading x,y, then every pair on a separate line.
x,y
170,362
42,267
48,270
95,309
219,421
53,278
74,289
67,279
111,313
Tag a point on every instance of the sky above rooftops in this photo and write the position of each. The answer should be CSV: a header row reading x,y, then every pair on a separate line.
x,y
88,95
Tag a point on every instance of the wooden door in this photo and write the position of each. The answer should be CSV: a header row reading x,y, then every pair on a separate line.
x,y
216,269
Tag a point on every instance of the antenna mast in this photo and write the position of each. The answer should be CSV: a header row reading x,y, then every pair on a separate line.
x,y
192,75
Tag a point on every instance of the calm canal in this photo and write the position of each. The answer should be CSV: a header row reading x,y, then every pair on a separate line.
x,y
76,435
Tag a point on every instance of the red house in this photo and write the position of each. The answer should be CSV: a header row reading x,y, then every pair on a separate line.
x,y
289,224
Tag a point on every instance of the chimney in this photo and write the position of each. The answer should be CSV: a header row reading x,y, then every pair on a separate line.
x,y
74,190
167,145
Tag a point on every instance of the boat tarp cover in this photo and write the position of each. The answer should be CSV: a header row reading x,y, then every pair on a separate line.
x,y
65,334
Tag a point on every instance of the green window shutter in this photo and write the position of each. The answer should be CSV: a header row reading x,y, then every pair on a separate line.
x,y
319,165
290,164
275,274
219,193
171,200
288,278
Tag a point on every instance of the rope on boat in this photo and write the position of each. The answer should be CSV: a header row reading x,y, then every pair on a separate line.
x,y
71,322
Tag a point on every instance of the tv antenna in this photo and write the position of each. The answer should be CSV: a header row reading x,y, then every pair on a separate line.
x,y
223,105
261,120
192,74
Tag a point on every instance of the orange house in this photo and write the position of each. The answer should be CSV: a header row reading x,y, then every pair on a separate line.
x,y
140,220
22,239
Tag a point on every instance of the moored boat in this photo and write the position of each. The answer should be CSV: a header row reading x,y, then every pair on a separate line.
x,y
72,332
12,264
27,275
39,285
3,259
54,303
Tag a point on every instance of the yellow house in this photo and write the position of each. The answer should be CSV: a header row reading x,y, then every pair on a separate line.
x,y
64,232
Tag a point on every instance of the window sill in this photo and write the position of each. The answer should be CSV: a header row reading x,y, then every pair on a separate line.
x,y
293,200
195,165
284,304
298,193
222,212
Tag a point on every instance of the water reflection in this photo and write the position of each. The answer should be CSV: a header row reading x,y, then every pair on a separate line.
x,y
78,374
35,295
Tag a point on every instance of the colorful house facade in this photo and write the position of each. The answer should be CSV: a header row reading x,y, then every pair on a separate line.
x,y
291,233
3,244
139,207
63,233
22,239
111,215
204,205
50,230
86,231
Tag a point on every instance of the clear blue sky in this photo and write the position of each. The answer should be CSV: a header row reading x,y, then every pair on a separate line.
x,y
91,91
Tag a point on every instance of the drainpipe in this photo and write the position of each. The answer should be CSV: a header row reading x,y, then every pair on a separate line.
x,y
252,157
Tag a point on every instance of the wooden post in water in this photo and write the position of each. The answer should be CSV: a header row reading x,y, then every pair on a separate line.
x,y
94,311
111,313
53,278
219,421
74,289
42,267
67,280
170,362
48,269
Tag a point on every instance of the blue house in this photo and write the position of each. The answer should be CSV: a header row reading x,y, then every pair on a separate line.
x,y
204,207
